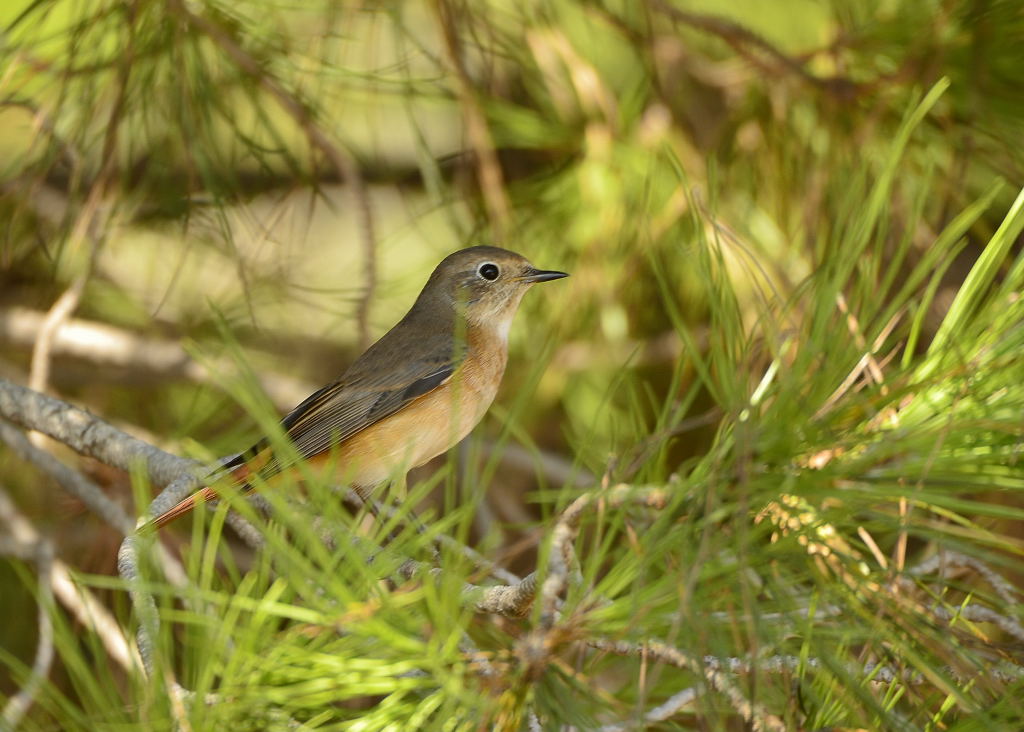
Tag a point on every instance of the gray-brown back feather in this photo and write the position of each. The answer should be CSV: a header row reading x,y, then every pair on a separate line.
x,y
412,359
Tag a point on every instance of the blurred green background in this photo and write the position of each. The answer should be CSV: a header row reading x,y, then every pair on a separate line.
x,y
737,189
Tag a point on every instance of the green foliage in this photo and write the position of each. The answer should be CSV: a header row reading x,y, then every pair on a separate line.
x,y
793,333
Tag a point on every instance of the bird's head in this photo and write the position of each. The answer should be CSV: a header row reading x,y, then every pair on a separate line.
x,y
486,284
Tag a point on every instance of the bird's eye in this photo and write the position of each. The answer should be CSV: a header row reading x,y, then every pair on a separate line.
x,y
489,271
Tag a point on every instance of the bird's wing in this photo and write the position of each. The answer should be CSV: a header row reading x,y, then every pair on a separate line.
x,y
358,400
384,380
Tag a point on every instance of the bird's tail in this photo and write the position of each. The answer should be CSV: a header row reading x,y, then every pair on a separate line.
x,y
240,475
182,507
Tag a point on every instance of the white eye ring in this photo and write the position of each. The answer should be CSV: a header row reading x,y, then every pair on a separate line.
x,y
489,271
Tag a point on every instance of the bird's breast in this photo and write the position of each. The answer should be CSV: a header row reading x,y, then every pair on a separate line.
x,y
434,422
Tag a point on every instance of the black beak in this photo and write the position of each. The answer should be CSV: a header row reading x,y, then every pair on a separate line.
x,y
542,275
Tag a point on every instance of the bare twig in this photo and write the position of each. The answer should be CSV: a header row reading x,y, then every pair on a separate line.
x,y
301,113
39,373
92,436
947,560
741,38
534,723
513,601
87,492
357,501
245,530
79,600
982,614
562,559
492,183
660,713
104,344
535,649
73,482
971,612
87,434
149,625
41,552
142,601
755,715
492,568
873,672
89,226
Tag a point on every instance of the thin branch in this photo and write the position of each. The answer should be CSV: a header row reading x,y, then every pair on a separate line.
x,y
87,434
946,560
142,601
492,183
73,482
79,600
754,714
41,552
492,568
660,713
357,501
874,673
301,114
741,38
92,436
534,723
245,530
512,601
562,559
87,492
149,625
90,226
104,344
982,614
39,372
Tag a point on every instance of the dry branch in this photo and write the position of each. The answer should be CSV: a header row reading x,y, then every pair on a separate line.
x,y
492,184
88,434
946,561
669,708
87,492
513,601
79,600
302,115
104,344
754,714
742,39
41,552
875,673
39,375
73,482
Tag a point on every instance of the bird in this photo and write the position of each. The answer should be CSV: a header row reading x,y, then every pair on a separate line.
x,y
410,396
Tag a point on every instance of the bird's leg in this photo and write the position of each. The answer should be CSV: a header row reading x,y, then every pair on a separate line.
x,y
388,510
400,487
364,496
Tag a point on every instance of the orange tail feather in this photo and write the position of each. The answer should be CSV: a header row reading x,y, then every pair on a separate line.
x,y
240,474
183,507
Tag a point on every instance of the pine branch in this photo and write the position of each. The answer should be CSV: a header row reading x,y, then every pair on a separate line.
x,y
88,435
